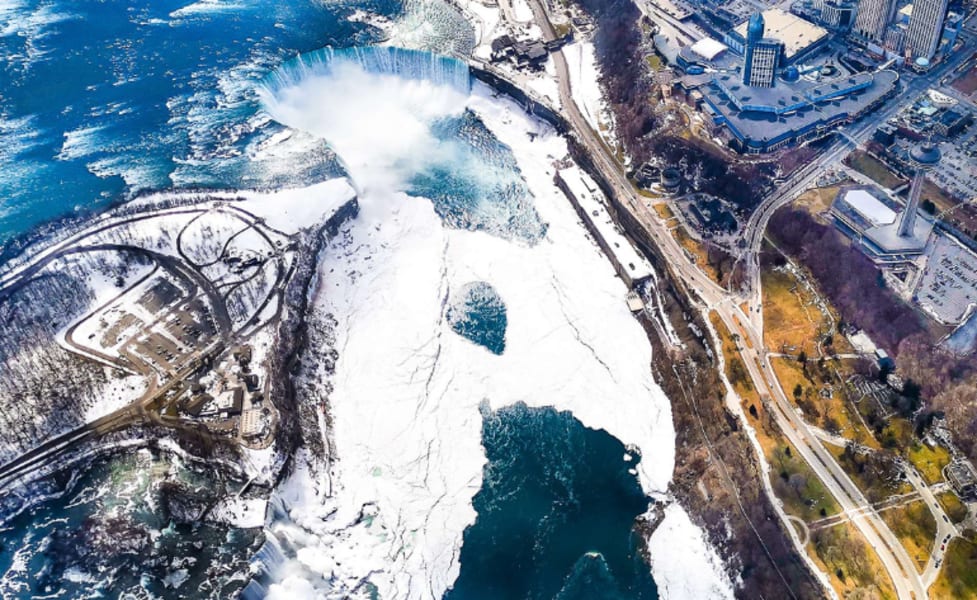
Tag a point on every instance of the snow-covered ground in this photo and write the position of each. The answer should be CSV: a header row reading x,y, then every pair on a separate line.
x,y
683,562
486,22
521,11
407,390
543,83
294,209
585,86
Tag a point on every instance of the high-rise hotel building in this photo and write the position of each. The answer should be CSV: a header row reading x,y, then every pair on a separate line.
x,y
761,56
873,18
925,28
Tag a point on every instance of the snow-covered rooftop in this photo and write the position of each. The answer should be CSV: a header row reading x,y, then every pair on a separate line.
x,y
591,200
870,207
709,48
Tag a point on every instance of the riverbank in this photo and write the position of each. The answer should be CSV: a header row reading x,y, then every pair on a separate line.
x,y
717,477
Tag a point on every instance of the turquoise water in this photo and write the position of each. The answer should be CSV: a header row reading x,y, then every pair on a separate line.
x,y
100,99
555,514
477,313
482,188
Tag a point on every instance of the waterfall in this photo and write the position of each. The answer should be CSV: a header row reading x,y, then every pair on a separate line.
x,y
417,65
398,121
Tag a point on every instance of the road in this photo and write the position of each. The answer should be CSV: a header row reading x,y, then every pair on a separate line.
x,y
160,382
893,556
945,529
31,462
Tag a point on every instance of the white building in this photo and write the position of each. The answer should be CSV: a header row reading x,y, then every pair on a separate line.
x,y
873,18
925,28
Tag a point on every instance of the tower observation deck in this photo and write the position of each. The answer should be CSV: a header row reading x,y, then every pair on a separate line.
x,y
924,157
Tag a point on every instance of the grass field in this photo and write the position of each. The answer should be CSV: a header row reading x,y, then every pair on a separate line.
x,y
792,320
801,491
967,83
958,576
873,169
937,196
817,200
929,461
876,488
735,370
664,210
915,527
954,508
699,253
853,567
834,414
795,484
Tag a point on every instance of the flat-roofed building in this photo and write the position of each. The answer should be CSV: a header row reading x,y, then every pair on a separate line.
x,y
765,119
878,224
799,37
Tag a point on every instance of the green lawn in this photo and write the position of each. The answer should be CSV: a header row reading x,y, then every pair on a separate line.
x,y
873,169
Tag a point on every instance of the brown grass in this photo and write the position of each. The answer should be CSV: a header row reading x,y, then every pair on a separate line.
x,y
953,507
699,253
800,490
834,414
929,461
664,210
792,320
967,83
852,566
874,488
817,200
915,527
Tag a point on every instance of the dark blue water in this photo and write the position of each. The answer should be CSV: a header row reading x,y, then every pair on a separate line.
x,y
102,98
555,514
477,313
114,532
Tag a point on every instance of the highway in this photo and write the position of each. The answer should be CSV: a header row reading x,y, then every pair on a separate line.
x,y
945,529
893,556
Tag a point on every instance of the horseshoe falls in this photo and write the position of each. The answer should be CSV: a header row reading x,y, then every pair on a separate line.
x,y
398,121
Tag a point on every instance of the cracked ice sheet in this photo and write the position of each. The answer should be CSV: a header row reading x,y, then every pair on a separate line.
x,y
407,428
684,564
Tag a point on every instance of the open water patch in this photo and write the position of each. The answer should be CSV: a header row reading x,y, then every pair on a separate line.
x,y
477,313
556,513
126,528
